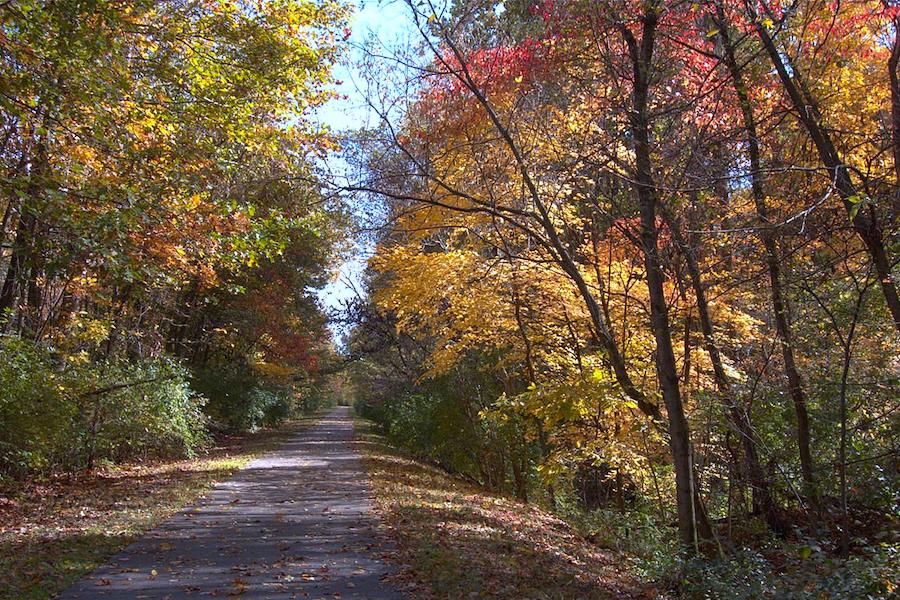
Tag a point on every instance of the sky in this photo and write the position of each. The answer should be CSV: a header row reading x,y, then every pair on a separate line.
x,y
386,20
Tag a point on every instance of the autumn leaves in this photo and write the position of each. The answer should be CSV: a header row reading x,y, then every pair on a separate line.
x,y
652,190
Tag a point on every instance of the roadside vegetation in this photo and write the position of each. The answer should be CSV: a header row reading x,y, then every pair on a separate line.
x,y
161,243
454,539
161,237
636,263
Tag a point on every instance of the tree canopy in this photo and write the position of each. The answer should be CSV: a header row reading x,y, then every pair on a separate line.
x,y
635,261
644,247
160,203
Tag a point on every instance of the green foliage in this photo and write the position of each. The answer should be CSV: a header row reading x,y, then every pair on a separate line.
x,y
160,416
158,204
312,397
430,426
803,575
742,576
441,421
36,420
64,412
243,399
774,570
239,400
638,532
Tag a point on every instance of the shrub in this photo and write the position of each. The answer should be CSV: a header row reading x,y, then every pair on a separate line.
x,y
38,417
438,425
156,414
64,412
803,574
241,400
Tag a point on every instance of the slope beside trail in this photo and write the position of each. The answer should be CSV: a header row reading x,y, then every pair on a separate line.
x,y
295,523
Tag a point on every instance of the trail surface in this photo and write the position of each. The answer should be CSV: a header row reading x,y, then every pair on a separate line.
x,y
295,523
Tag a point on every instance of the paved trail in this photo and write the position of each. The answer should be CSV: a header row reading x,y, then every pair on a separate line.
x,y
296,523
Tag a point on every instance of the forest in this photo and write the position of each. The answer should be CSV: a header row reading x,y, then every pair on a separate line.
x,y
159,229
635,263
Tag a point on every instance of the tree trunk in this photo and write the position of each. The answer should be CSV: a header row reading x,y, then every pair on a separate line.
x,y
26,261
740,418
532,379
689,513
893,64
555,244
519,467
773,264
864,218
16,267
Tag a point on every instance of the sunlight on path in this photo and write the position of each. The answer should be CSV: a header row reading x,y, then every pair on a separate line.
x,y
296,523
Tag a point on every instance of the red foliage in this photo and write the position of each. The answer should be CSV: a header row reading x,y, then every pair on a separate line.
x,y
542,8
492,69
288,342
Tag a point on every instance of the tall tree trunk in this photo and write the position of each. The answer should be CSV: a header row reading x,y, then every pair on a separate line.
x,y
26,262
690,512
181,322
842,449
893,65
532,379
556,246
692,524
520,469
16,267
865,219
740,418
4,223
34,292
773,263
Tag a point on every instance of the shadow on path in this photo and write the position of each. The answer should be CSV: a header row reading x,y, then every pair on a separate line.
x,y
295,523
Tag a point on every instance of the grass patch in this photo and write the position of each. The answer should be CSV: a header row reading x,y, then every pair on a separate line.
x,y
56,531
454,540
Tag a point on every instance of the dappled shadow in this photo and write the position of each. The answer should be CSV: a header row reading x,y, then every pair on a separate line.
x,y
416,472
457,538
27,506
296,521
50,541
63,559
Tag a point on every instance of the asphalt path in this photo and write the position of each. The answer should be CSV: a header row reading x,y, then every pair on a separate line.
x,y
295,523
